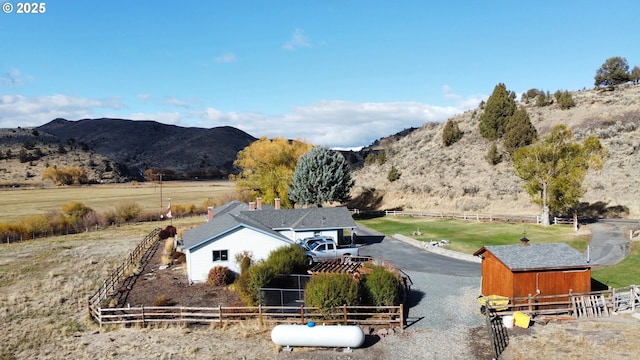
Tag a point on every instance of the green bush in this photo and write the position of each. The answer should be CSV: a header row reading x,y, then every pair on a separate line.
x,y
220,276
451,133
393,174
381,287
493,157
249,283
564,99
288,260
327,291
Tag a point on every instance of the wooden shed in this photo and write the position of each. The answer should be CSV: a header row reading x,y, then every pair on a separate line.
x,y
540,269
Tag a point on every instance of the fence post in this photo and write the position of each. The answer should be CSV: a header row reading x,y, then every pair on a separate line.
x,y
344,311
402,318
260,315
530,301
142,307
302,313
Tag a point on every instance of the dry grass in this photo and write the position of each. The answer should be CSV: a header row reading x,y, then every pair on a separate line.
x,y
20,203
439,178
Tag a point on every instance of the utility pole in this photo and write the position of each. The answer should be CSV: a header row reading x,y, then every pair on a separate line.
x,y
160,176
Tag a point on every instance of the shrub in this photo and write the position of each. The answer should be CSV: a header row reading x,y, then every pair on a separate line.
x,y
564,99
451,133
127,211
393,174
493,157
250,282
288,260
168,246
162,300
244,260
220,276
327,291
381,287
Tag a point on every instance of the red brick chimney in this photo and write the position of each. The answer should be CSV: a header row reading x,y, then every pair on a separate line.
x,y
259,203
252,205
277,204
209,213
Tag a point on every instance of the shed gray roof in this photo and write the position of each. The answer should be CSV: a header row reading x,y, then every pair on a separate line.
x,y
538,256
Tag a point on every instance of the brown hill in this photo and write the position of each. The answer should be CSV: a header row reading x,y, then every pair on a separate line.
x,y
459,179
115,150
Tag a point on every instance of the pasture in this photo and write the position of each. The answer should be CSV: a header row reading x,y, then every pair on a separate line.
x,y
17,203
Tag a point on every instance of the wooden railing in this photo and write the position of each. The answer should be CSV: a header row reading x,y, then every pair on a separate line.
x,y
575,304
391,316
451,215
120,273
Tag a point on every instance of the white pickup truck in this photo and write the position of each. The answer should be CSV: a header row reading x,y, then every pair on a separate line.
x,y
327,250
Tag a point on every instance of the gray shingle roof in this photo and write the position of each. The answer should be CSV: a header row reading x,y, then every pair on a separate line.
x,y
538,256
236,214
304,219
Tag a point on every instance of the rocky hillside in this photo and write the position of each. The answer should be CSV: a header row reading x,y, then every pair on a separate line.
x,y
115,150
458,178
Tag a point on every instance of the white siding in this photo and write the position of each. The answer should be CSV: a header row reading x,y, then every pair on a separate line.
x,y
200,261
305,234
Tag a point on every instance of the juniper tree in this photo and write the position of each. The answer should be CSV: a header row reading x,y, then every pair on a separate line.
x,y
613,72
519,131
322,175
500,106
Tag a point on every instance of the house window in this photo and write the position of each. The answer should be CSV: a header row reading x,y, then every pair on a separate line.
x,y
220,255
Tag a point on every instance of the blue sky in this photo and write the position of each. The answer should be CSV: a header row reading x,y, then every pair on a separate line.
x,y
334,73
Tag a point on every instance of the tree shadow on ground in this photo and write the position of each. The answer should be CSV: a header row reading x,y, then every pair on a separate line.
x,y
591,212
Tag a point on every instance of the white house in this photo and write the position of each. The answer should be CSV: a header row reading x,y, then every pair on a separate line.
x,y
237,227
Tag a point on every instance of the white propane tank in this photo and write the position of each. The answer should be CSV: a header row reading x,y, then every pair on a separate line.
x,y
347,336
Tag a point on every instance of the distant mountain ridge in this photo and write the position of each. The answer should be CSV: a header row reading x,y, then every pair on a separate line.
x,y
142,144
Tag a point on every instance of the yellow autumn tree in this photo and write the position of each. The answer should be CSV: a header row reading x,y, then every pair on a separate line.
x,y
266,168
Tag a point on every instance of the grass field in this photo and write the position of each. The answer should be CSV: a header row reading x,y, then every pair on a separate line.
x,y
19,203
469,236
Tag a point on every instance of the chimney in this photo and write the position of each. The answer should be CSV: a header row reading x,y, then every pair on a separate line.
x,y
277,204
209,213
524,241
259,203
252,205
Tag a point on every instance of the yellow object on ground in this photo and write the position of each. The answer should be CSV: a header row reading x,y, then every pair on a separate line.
x,y
521,319
496,302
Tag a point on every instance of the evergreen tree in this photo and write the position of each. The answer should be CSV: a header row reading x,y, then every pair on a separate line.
x,y
322,175
613,72
499,108
451,133
635,74
519,132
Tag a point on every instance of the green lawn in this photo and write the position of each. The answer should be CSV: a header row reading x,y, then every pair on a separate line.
x,y
469,236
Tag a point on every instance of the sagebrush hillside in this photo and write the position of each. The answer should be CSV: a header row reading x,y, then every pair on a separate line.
x,y
459,178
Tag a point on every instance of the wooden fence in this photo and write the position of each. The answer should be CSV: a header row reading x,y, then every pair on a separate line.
x,y
452,215
120,273
590,304
346,315
391,316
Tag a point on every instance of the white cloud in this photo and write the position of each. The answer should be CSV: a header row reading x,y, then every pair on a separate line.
x,y
297,40
18,110
332,123
143,96
226,58
12,78
175,102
